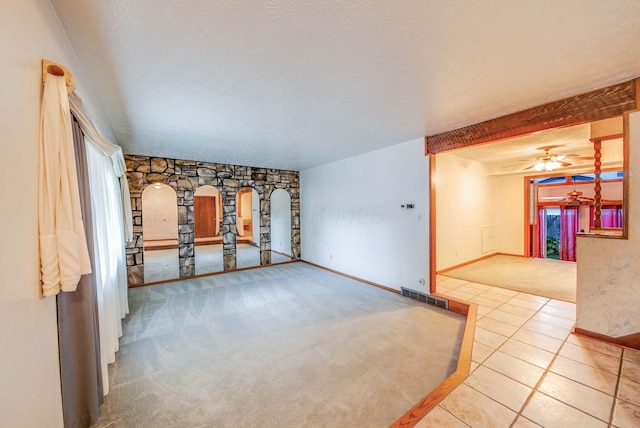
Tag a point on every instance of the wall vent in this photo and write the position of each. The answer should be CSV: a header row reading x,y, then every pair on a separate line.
x,y
426,298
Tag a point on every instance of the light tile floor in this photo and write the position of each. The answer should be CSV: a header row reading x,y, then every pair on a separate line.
x,y
528,370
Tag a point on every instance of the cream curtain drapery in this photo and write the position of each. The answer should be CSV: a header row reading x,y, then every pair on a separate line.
x,y
117,158
64,257
109,254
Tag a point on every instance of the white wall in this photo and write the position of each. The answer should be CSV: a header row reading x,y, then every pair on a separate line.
x,y
245,205
511,213
29,372
281,221
352,221
159,213
466,201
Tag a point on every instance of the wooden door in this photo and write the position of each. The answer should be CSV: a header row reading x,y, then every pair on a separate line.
x,y
204,211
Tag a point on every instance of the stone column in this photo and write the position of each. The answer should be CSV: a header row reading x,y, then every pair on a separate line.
x,y
186,249
295,223
229,232
188,180
265,226
137,169
134,249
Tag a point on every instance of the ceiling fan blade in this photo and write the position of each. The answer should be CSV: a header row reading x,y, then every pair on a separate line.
x,y
565,164
529,167
582,158
547,148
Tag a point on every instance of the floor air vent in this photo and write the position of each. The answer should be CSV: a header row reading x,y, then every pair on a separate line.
x,y
421,297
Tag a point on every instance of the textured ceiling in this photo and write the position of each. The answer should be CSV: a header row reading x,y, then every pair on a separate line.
x,y
294,84
515,155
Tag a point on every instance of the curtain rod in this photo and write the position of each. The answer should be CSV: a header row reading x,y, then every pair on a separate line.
x,y
50,67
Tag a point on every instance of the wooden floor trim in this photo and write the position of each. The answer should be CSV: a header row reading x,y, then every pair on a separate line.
x,y
488,256
282,254
629,341
202,275
450,268
431,400
161,247
384,287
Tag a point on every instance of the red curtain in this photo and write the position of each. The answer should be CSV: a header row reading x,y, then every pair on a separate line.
x,y
568,230
610,216
542,233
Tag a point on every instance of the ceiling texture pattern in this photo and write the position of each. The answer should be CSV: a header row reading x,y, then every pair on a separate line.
x,y
295,84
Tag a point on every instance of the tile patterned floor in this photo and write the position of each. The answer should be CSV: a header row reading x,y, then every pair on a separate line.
x,y
528,370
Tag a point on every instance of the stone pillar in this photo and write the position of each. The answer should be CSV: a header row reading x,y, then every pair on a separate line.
x,y
265,226
295,223
134,249
184,190
230,190
137,169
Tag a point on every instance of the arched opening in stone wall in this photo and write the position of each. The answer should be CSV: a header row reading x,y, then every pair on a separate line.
x,y
280,226
160,232
247,217
207,218
250,247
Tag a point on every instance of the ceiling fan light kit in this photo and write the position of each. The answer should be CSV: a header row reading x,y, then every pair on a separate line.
x,y
549,162
547,165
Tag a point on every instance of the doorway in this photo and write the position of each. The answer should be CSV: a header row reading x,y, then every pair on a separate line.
x,y
160,231
247,224
557,230
549,235
207,216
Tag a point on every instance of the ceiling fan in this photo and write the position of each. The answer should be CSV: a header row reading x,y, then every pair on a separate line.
x,y
575,198
549,161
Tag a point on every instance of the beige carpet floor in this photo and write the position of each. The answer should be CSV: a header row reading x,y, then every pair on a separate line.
x,y
544,277
288,345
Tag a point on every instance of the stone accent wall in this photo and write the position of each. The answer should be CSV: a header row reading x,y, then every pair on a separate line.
x,y
185,176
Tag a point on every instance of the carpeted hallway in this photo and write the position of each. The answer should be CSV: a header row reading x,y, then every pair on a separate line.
x,y
289,345
555,279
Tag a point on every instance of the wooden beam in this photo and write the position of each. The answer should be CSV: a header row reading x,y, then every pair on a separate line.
x,y
600,104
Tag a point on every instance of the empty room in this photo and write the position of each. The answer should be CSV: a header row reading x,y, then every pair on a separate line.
x,y
283,213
